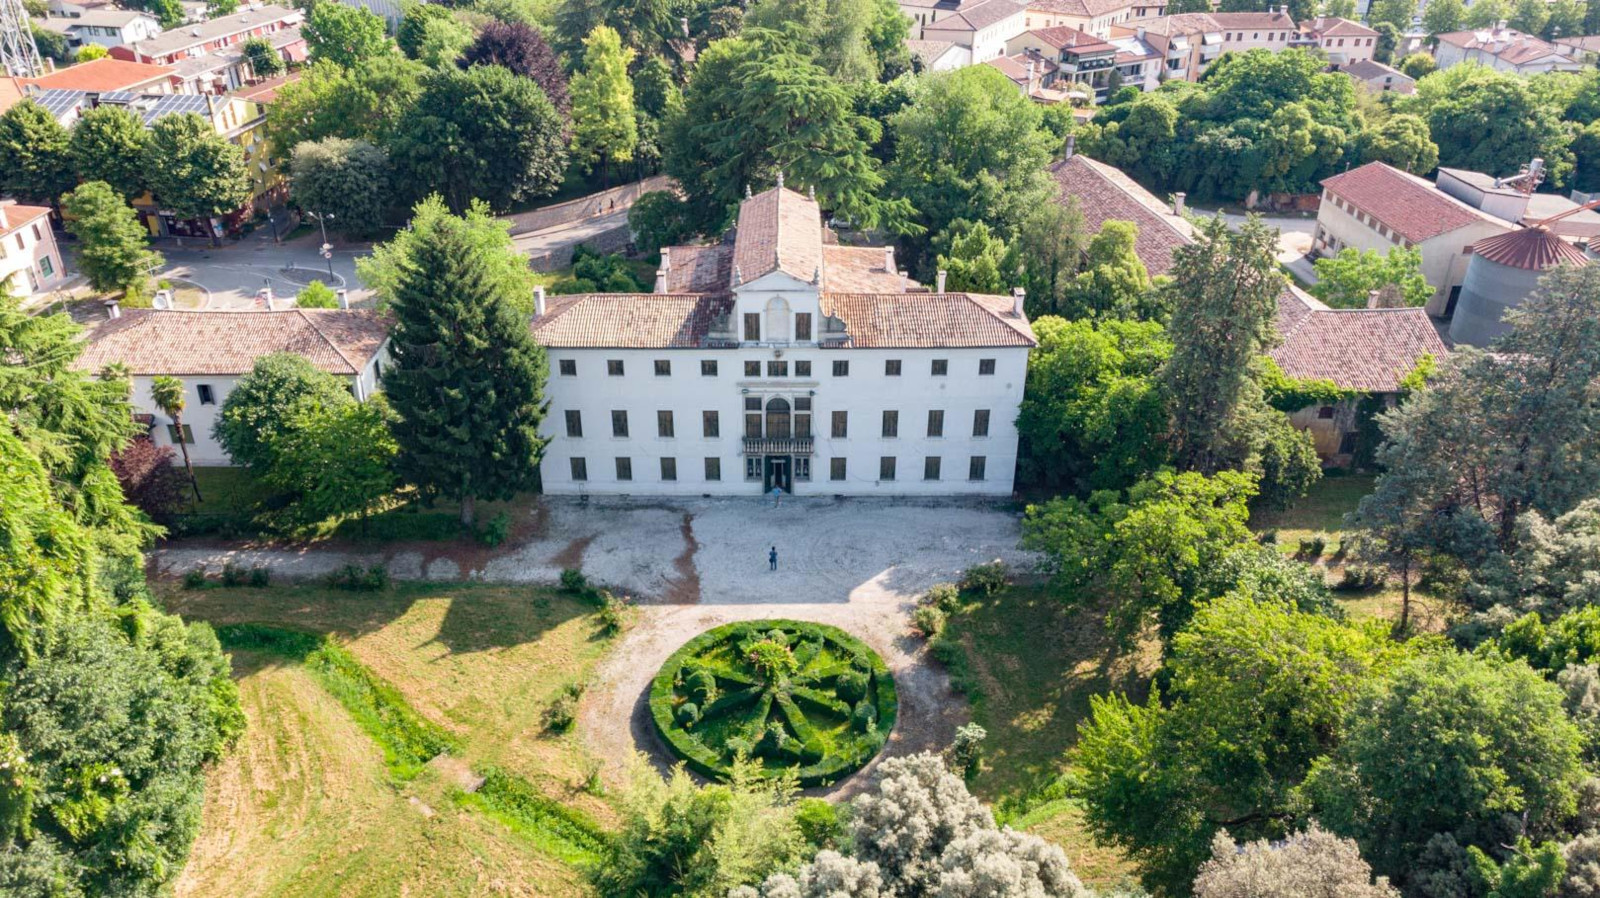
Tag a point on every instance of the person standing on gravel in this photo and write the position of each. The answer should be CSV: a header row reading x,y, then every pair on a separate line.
x,y
772,559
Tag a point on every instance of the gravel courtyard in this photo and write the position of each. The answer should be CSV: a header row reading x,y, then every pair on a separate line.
x,y
691,565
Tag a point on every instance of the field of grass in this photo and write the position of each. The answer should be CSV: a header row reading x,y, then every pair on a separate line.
x,y
306,805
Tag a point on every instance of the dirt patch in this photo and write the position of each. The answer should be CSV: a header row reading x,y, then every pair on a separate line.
x,y
456,772
572,556
684,588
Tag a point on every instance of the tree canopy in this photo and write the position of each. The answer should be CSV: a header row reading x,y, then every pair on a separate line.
x,y
107,145
193,170
113,250
346,180
345,35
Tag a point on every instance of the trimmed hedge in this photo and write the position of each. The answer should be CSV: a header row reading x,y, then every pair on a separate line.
x,y
710,761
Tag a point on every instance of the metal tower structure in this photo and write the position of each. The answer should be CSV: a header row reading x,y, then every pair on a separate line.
x,y
19,56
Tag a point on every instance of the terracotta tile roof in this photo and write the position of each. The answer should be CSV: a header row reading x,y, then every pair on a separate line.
x,y
1412,207
1505,44
11,92
778,230
1264,20
101,75
1106,194
154,342
927,320
860,269
630,320
928,51
1062,37
1358,349
1367,69
16,215
1332,26
1180,24
177,40
977,16
267,91
1590,43
699,269
1533,249
1016,67
1087,8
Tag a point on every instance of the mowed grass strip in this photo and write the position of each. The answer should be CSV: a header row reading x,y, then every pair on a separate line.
x,y
408,739
562,832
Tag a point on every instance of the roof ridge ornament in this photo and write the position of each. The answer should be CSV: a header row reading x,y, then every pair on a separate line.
x,y
780,179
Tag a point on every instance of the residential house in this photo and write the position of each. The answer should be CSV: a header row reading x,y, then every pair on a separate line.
x,y
1503,49
210,350
1344,42
228,69
1188,42
925,12
1242,31
939,56
106,75
1138,63
279,25
1365,350
1379,207
1378,78
11,92
982,27
1035,76
105,27
1584,49
782,360
1092,16
30,261
1080,60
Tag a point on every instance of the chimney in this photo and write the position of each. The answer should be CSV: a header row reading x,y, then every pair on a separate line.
x,y
113,310
538,301
3,204
1017,296
1029,82
162,300
1072,146
666,258
1178,207
1373,297
780,178
661,281
888,259
266,294
343,296
1138,33
942,275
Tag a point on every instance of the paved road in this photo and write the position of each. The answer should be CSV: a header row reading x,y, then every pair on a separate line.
x,y
233,273
1294,241
536,243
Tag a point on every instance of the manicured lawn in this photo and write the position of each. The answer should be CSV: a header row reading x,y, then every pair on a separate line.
x,y
226,491
1029,667
305,806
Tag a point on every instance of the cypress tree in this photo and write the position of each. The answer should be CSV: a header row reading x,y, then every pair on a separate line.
x,y
467,383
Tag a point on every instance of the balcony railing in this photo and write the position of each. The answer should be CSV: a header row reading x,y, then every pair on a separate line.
x,y
777,445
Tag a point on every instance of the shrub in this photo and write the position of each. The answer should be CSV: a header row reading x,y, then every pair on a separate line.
x,y
819,823
496,531
852,685
984,580
1360,578
194,578
1311,546
944,596
612,614
232,575
966,752
563,712
573,580
355,578
688,715
148,479
865,717
929,620
260,576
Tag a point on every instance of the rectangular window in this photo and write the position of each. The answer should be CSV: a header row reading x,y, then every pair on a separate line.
x,y
172,434
985,367
669,469
980,423
752,467
580,468
835,469
941,367
624,468
802,467
802,369
930,468
841,425
708,368
1347,443
1325,412
891,368
47,267
841,369
664,428
207,397
936,422
663,367
713,469
886,468
710,425
777,369
891,424
568,367
574,423
975,467
614,367
619,423
752,369
802,326
752,326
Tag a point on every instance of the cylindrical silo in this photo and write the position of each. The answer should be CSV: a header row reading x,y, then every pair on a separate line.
x,y
1503,270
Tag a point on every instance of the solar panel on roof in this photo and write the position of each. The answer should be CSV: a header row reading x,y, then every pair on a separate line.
x,y
61,103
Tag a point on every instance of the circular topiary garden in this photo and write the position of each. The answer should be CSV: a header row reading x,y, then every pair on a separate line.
x,y
787,695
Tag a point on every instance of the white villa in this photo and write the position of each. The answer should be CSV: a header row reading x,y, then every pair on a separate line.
x,y
782,360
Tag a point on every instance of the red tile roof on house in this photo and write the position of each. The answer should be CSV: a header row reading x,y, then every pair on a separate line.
x,y
1507,45
977,16
11,92
1533,249
927,320
1063,37
1411,207
1359,349
1106,194
698,269
861,269
103,75
267,91
1184,23
1332,26
778,230
1262,20
151,342
16,215
1088,9
630,320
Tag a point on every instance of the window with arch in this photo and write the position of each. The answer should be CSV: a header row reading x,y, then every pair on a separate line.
x,y
778,325
779,418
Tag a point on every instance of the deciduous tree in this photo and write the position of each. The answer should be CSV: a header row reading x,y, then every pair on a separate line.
x,y
1114,281
35,155
1310,864
348,180
335,460
193,170
1443,16
1402,141
108,145
1490,121
523,50
113,251
975,259
267,400
344,35
264,60
603,126
1347,280
365,103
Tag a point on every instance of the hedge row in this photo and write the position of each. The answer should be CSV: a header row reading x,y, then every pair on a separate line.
x,y
707,761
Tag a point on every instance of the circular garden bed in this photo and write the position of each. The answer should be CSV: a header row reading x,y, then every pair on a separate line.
x,y
788,695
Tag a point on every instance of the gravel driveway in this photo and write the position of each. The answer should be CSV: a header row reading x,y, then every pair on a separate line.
x,y
691,565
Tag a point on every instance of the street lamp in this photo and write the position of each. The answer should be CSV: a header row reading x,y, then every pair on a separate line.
x,y
327,248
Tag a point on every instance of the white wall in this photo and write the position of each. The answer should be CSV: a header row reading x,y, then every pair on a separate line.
x,y
864,395
1443,261
29,263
